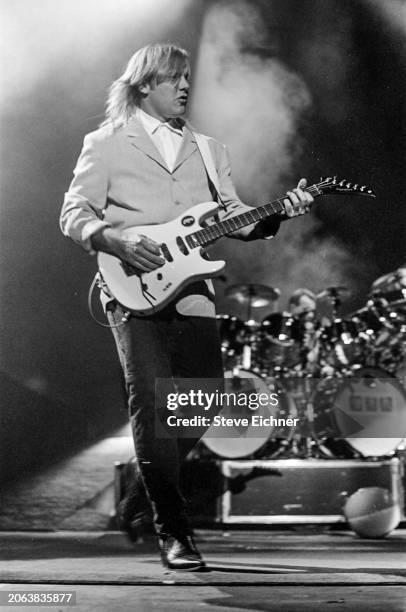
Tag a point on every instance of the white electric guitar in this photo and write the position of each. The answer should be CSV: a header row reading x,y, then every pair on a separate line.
x,y
182,243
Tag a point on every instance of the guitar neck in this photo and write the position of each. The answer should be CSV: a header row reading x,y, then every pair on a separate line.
x,y
217,230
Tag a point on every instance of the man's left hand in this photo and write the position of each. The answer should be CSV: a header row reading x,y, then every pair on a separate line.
x,y
298,201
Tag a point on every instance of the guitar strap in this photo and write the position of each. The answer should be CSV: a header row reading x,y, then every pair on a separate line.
x,y
207,157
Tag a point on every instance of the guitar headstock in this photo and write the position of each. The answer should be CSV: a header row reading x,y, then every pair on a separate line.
x,y
342,186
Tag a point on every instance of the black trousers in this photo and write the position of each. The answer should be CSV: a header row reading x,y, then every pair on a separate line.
x,y
166,345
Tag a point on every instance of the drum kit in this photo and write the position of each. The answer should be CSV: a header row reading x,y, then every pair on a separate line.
x,y
344,378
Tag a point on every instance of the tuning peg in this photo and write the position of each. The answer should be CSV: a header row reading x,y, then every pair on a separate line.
x,y
334,180
349,185
363,188
355,187
342,183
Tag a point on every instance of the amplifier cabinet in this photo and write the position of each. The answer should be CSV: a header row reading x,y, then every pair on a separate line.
x,y
285,491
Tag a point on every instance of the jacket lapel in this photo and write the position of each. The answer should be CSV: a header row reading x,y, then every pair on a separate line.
x,y
187,147
140,139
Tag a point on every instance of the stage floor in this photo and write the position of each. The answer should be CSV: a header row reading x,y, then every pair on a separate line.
x,y
281,571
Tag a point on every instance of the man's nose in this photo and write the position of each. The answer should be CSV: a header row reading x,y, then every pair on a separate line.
x,y
184,83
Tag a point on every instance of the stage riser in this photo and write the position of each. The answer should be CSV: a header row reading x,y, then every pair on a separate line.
x,y
279,492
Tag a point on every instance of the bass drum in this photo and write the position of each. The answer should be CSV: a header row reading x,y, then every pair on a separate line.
x,y
240,440
368,411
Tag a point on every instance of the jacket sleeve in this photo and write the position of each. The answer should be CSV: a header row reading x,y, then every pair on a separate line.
x,y
263,229
84,202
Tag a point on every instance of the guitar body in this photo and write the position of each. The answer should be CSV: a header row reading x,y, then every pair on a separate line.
x,y
147,293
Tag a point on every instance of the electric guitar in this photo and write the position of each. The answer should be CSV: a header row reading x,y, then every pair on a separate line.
x,y
182,243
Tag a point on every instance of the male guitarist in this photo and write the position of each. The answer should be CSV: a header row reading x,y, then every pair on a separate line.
x,y
144,167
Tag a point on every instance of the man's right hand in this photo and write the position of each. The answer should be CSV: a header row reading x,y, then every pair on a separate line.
x,y
139,251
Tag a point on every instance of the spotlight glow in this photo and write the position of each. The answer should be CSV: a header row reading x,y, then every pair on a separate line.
x,y
43,36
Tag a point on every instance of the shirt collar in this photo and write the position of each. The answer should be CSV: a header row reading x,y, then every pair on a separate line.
x,y
151,124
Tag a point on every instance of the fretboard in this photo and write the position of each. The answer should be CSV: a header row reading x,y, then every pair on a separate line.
x,y
210,233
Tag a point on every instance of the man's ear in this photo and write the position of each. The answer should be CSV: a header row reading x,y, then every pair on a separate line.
x,y
145,88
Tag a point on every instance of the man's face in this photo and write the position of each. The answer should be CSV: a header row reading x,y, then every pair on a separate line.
x,y
166,100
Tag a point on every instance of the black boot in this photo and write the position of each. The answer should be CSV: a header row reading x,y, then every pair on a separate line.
x,y
180,553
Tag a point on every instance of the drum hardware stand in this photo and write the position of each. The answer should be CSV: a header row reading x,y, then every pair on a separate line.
x,y
334,295
303,441
313,447
304,446
335,301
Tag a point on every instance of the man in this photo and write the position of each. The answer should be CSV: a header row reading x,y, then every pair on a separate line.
x,y
143,166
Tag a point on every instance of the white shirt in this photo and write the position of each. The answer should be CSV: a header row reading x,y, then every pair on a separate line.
x,y
166,136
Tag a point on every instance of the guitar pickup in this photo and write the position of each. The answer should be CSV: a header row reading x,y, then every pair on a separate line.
x,y
166,252
182,246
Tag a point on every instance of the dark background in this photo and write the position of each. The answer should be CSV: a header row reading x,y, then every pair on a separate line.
x,y
60,384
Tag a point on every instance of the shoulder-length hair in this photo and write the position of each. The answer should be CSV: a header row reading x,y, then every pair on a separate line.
x,y
155,62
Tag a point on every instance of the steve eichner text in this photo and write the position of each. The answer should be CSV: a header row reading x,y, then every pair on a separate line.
x,y
256,420
205,400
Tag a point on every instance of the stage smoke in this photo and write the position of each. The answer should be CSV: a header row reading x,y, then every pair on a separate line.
x,y
249,98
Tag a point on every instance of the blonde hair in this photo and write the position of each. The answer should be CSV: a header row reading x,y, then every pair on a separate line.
x,y
155,62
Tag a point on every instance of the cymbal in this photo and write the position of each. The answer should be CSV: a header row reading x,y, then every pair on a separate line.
x,y
334,291
253,294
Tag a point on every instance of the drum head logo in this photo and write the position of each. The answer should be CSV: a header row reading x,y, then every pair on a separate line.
x,y
188,221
